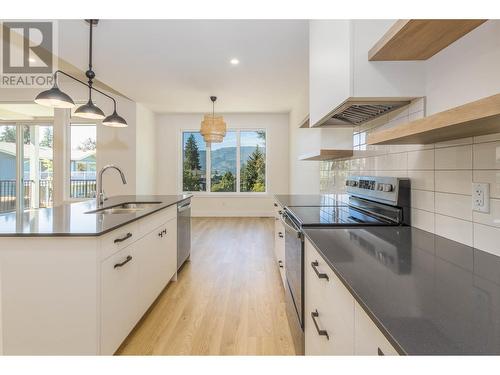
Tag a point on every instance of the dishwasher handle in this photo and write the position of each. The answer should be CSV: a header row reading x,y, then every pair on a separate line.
x,y
184,207
283,219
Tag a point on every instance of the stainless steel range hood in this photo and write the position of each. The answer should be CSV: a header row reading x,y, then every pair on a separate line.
x,y
356,111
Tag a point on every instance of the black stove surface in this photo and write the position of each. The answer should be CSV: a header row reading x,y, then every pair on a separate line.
x,y
333,216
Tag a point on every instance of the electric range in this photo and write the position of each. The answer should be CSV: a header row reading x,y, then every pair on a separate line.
x,y
372,201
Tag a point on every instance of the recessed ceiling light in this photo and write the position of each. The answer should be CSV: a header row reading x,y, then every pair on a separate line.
x,y
234,61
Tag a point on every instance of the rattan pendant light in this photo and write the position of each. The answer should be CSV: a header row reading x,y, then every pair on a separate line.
x,y
213,128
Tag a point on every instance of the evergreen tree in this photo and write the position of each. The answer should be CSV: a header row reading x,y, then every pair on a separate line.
x,y
253,172
48,138
191,167
227,183
191,154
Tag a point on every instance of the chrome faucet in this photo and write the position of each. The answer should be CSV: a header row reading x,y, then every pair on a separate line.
x,y
101,197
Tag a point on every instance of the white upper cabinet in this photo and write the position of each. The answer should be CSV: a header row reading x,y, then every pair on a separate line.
x,y
340,70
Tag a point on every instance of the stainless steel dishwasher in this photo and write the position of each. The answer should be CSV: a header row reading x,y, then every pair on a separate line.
x,y
183,232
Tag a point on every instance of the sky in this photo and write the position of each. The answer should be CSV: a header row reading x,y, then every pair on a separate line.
x,y
248,138
80,133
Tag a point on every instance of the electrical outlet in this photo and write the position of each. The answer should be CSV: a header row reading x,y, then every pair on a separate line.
x,y
481,197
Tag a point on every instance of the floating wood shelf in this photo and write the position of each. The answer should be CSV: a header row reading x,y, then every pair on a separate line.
x,y
419,39
327,155
472,119
305,123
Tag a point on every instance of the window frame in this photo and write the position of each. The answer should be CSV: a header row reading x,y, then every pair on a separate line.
x,y
210,193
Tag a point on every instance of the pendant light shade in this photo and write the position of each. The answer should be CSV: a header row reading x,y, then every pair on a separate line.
x,y
54,98
89,111
213,128
115,121
58,99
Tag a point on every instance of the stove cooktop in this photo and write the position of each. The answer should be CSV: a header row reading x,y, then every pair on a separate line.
x,y
333,216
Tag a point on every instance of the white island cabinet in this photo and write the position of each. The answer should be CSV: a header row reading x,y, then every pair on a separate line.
x,y
83,295
335,324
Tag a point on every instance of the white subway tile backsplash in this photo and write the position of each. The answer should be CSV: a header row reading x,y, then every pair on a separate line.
x,y
392,162
492,177
486,238
458,157
492,218
454,142
422,220
422,199
459,182
455,205
487,138
441,178
454,229
418,160
487,155
423,180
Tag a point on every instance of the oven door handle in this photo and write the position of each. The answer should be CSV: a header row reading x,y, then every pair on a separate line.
x,y
297,232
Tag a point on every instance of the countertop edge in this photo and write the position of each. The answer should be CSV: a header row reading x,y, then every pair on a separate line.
x,y
358,299
87,235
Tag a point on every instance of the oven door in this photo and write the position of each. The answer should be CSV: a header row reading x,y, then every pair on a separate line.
x,y
294,260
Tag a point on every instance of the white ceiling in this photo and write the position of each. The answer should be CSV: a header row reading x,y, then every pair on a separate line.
x,y
25,111
175,65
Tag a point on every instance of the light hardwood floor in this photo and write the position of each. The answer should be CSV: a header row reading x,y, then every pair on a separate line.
x,y
228,299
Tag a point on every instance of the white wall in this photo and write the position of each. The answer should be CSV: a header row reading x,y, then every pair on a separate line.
x,y
466,70
169,154
303,174
145,150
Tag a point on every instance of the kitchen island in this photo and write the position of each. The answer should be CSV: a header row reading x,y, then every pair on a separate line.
x,y
76,278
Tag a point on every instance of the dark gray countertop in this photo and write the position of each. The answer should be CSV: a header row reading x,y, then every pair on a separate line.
x,y
310,199
72,220
427,294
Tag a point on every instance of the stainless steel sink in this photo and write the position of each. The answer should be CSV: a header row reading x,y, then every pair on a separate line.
x,y
124,208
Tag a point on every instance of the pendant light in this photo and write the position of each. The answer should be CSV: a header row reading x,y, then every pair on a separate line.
x,y
213,128
57,99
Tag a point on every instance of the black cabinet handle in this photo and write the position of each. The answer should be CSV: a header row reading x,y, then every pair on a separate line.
x,y
280,263
164,232
280,212
160,234
127,259
320,275
275,205
280,235
380,352
126,237
321,332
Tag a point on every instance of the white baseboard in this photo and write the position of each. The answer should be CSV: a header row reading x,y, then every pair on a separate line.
x,y
232,213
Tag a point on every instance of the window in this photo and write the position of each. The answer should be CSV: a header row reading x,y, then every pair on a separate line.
x,y
237,164
32,186
83,161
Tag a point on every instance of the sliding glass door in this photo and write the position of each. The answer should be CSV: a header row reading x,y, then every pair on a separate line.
x,y
26,154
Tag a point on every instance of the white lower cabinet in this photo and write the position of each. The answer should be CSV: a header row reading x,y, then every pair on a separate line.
x,y
279,242
132,279
329,309
157,262
368,340
119,297
335,324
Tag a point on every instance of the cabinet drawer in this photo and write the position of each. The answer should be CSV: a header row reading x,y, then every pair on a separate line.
x,y
368,339
119,238
157,219
329,315
119,298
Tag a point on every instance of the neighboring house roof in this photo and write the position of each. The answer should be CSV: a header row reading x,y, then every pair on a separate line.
x,y
44,152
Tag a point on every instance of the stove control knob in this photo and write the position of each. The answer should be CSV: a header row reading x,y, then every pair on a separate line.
x,y
380,187
387,187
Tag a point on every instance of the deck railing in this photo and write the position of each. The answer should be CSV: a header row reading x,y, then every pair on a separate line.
x,y
78,189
